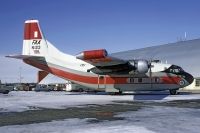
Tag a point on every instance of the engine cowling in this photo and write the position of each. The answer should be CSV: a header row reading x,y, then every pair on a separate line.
x,y
140,66
92,54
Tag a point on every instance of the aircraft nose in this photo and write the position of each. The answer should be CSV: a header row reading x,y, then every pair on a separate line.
x,y
188,77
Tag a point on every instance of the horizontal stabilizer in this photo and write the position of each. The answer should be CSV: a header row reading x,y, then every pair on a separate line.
x,y
22,56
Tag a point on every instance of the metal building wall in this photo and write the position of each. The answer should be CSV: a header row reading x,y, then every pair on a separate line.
x,y
184,53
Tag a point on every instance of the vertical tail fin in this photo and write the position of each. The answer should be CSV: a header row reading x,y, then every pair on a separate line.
x,y
34,42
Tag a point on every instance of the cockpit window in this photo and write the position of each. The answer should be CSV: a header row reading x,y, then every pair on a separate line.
x,y
174,69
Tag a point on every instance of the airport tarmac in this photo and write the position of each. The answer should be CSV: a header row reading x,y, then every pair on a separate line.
x,y
79,112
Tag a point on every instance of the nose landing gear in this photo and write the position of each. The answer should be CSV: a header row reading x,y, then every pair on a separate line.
x,y
173,92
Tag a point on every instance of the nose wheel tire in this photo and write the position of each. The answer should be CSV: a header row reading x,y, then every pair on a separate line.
x,y
173,92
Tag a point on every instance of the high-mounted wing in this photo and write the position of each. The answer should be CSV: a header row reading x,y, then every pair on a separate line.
x,y
105,64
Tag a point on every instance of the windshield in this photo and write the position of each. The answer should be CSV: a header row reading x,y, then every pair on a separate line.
x,y
174,69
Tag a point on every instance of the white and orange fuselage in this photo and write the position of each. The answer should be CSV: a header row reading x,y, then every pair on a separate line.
x,y
40,53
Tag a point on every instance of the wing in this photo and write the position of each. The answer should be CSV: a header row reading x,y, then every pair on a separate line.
x,y
105,64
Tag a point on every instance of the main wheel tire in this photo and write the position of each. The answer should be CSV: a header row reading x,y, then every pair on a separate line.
x,y
118,93
173,92
80,90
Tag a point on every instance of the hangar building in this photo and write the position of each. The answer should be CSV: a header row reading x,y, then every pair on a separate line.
x,y
183,53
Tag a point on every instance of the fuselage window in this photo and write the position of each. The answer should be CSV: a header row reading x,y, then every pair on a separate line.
x,y
132,80
157,80
139,80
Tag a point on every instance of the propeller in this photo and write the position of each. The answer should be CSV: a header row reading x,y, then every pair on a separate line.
x,y
150,69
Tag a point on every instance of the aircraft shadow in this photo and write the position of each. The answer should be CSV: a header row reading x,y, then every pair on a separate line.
x,y
154,95
149,96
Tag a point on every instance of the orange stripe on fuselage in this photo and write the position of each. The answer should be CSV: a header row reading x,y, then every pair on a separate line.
x,y
170,80
93,80
63,74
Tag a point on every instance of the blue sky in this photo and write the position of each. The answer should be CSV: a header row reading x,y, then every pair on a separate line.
x,y
116,25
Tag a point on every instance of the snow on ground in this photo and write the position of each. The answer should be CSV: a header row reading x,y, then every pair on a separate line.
x,y
147,120
166,119
18,101
21,101
75,126
150,119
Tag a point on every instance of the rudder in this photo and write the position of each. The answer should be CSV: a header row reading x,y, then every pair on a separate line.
x,y
34,42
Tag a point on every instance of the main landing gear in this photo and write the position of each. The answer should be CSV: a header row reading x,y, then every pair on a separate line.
x,y
173,92
116,93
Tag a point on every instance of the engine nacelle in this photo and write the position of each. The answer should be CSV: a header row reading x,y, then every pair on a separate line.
x,y
140,66
92,54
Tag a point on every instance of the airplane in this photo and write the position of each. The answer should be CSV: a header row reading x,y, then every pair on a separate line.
x,y
96,69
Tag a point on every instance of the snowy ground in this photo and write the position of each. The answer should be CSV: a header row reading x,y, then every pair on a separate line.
x,y
76,126
17,101
22,101
150,119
